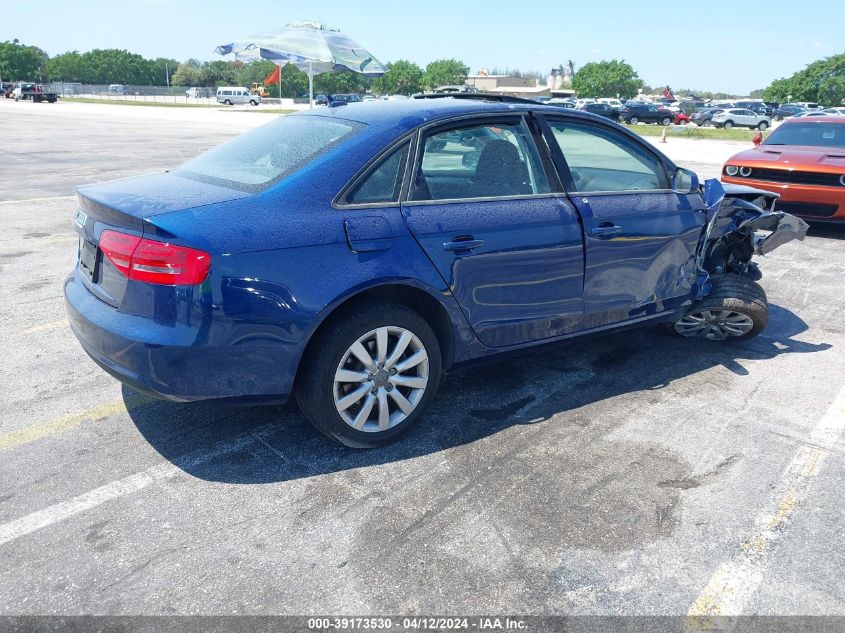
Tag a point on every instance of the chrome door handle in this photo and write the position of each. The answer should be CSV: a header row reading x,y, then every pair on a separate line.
x,y
462,245
605,229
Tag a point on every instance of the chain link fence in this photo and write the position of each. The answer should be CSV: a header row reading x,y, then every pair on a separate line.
x,y
200,95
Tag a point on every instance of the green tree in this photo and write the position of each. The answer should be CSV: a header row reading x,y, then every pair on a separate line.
x,y
187,75
402,77
294,82
340,82
19,62
445,72
606,79
65,67
162,69
822,81
255,72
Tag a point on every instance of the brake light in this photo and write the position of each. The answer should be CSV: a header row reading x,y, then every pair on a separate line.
x,y
155,262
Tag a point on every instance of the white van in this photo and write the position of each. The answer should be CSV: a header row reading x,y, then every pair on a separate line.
x,y
234,95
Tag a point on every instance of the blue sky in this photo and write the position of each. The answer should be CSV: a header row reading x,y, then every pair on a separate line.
x,y
713,45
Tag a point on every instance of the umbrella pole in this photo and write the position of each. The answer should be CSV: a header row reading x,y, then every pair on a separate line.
x,y
310,85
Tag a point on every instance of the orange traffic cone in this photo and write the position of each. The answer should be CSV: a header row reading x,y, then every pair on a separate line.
x,y
663,136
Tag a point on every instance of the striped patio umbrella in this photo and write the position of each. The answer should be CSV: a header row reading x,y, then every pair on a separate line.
x,y
312,46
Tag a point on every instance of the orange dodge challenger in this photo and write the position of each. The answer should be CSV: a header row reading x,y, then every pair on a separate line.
x,y
803,160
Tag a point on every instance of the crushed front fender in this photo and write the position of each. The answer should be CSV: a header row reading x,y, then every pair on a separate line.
x,y
742,223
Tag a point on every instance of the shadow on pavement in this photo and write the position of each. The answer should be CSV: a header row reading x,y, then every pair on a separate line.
x,y
275,443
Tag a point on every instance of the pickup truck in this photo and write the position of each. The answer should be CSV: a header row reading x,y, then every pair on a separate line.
x,y
33,92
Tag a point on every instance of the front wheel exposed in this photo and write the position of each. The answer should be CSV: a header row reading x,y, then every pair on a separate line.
x,y
736,309
369,375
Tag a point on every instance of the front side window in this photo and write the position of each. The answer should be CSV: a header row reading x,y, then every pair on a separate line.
x,y
479,161
384,182
603,160
255,160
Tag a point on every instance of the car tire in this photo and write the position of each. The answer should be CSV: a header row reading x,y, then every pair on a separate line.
x,y
728,125
633,120
380,415
253,102
665,121
763,126
778,117
736,309
227,102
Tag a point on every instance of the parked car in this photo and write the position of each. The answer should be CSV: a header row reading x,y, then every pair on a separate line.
x,y
801,161
6,89
740,117
339,99
690,106
198,92
118,89
602,109
353,257
237,95
787,110
704,116
616,104
681,119
807,113
755,105
561,103
837,111
646,113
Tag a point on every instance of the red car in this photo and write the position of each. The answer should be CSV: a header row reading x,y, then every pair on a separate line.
x,y
804,161
680,119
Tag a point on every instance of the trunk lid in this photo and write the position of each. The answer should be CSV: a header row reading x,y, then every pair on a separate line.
x,y
126,206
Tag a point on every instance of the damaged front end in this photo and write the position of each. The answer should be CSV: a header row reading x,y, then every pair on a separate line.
x,y
739,227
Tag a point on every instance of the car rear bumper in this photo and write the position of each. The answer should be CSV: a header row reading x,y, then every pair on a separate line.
x,y
172,362
811,202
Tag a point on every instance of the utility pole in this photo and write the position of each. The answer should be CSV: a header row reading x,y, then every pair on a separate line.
x,y
166,74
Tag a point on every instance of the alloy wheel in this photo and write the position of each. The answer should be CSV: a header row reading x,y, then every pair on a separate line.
x,y
714,325
381,379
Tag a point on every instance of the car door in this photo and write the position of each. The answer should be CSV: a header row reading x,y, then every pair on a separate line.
x,y
498,229
640,236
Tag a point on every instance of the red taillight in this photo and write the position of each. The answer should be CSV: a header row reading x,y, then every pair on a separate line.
x,y
154,262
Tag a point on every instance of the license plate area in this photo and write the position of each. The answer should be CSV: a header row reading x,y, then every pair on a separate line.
x,y
88,259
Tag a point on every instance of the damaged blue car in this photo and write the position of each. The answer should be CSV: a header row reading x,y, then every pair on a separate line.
x,y
351,255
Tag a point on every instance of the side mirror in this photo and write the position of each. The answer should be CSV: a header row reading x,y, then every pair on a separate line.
x,y
758,138
685,181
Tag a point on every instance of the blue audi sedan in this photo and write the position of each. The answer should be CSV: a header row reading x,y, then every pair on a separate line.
x,y
351,255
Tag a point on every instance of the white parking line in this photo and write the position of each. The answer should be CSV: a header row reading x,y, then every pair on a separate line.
x,y
37,199
735,581
40,519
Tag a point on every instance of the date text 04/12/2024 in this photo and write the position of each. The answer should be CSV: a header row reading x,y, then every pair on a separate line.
x,y
417,623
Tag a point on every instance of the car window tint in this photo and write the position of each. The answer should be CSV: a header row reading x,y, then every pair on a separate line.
x,y
480,161
603,160
383,183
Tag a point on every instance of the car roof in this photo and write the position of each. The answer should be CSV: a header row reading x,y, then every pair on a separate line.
x,y
410,113
833,118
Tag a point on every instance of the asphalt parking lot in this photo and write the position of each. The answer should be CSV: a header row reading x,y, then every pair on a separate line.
x,y
633,474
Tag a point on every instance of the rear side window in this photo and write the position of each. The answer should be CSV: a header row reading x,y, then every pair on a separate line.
x,y
603,160
384,182
479,161
263,156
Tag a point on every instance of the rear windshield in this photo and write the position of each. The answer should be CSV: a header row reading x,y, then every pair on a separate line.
x,y
814,134
262,157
